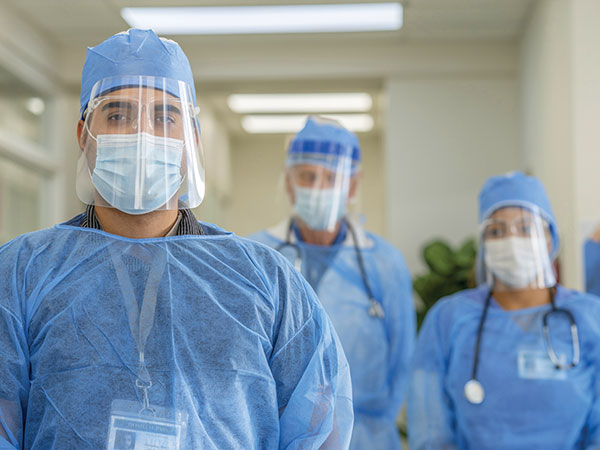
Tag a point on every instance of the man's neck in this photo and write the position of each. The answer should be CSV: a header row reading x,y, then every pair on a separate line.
x,y
318,237
526,298
152,224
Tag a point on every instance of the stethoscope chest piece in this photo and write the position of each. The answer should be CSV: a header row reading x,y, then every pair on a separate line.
x,y
474,392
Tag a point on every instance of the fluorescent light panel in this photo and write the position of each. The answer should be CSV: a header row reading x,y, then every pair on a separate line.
x,y
292,123
329,18
309,103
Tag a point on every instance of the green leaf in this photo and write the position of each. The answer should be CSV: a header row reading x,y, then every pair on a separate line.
x,y
449,272
439,257
465,256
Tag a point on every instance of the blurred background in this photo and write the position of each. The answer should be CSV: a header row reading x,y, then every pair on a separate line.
x,y
455,91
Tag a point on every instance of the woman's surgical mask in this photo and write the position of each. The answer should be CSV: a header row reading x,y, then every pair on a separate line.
x,y
137,173
320,209
518,262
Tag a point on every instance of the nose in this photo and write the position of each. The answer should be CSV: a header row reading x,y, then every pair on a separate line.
x,y
144,125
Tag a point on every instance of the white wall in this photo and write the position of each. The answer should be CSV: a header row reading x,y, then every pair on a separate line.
x,y
585,76
444,137
258,197
27,54
560,106
545,112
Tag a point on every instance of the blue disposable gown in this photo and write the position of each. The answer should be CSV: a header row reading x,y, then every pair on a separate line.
x,y
592,267
528,403
239,342
378,350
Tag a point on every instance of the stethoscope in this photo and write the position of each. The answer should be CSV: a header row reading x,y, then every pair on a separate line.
x,y
375,308
474,392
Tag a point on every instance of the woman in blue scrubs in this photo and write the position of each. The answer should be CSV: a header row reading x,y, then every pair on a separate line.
x,y
514,363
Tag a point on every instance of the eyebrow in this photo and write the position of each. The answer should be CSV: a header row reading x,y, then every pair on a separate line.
x,y
168,107
117,104
128,105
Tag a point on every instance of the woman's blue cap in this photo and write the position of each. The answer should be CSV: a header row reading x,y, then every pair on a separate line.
x,y
517,189
321,138
134,53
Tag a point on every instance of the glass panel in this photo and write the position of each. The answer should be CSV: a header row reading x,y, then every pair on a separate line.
x,y
20,190
21,108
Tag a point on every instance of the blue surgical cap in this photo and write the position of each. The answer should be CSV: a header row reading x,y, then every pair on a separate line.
x,y
321,138
517,189
134,52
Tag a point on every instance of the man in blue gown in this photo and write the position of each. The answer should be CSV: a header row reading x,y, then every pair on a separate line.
x,y
361,280
134,319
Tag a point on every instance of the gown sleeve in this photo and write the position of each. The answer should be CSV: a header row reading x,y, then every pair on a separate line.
x,y
14,354
310,369
591,327
430,413
591,251
401,331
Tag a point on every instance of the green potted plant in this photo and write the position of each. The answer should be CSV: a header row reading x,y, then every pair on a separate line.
x,y
450,270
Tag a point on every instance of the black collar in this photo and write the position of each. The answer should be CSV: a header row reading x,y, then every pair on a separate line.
x,y
188,225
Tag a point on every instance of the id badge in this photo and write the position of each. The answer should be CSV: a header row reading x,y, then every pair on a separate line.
x,y
132,427
536,364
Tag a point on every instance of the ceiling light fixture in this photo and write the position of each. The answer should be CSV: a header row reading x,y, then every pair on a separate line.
x,y
292,123
305,103
323,18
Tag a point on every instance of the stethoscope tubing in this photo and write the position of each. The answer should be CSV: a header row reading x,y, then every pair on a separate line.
x,y
550,350
375,307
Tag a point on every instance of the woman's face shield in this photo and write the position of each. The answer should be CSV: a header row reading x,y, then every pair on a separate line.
x,y
320,184
141,146
516,244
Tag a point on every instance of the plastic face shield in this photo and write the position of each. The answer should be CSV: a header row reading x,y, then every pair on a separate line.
x,y
319,180
142,149
516,245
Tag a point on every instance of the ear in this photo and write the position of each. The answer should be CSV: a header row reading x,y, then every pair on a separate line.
x,y
81,135
289,187
596,235
354,184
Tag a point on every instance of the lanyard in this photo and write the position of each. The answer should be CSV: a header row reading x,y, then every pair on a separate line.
x,y
141,319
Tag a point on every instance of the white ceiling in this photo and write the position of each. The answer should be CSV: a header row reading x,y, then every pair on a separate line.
x,y
72,25
73,22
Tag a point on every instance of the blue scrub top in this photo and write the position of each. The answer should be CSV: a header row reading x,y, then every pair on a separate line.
x,y
378,350
238,342
528,403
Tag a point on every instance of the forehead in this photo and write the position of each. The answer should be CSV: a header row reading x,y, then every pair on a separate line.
x,y
511,213
311,168
141,93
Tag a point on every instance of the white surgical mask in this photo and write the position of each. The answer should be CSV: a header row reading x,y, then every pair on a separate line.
x,y
137,173
517,262
320,209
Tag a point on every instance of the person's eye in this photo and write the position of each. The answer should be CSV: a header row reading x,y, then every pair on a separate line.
x,y
165,119
494,232
524,228
117,117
